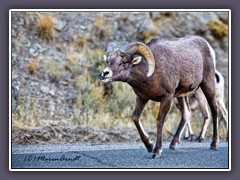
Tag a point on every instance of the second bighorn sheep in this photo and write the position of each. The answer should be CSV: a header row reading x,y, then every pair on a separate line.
x,y
198,99
165,69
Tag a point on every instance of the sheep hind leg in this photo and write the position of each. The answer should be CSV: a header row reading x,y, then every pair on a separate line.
x,y
202,134
208,89
185,118
206,116
189,134
190,130
224,113
140,104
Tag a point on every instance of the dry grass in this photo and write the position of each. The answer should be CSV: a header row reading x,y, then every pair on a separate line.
x,y
102,28
28,114
80,42
218,28
151,32
45,25
17,41
33,65
158,16
53,68
72,62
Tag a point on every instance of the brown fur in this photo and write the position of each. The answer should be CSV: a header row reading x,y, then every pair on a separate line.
x,y
181,66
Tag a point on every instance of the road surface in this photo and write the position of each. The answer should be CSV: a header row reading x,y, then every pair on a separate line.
x,y
118,155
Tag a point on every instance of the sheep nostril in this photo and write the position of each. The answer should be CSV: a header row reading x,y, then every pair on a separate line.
x,y
106,73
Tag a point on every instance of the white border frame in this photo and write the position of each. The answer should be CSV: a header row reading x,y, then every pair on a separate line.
x,y
119,10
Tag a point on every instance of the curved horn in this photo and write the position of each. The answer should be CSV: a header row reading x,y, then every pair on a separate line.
x,y
142,49
111,46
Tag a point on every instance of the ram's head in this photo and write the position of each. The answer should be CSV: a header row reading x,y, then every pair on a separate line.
x,y
119,62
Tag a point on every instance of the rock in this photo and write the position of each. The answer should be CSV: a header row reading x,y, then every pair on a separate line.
x,y
38,46
14,98
59,25
44,89
42,50
14,34
223,16
46,136
14,76
33,52
83,27
26,43
52,92
64,83
14,56
51,105
20,22
71,96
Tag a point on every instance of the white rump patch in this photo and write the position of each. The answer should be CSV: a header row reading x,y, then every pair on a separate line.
x,y
212,54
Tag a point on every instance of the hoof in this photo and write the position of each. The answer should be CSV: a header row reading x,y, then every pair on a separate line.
x,y
155,156
214,148
200,139
192,137
150,148
172,147
189,138
186,138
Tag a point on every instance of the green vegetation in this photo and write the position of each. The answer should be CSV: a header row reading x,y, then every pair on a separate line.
x,y
218,28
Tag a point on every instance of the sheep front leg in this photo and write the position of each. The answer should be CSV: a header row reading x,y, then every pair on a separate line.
x,y
164,108
140,104
185,118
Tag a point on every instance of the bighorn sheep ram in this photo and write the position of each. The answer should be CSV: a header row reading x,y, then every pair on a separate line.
x,y
198,99
165,69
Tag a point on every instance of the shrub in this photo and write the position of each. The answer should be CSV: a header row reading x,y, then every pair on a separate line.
x,y
218,28
72,62
150,33
46,26
33,65
80,42
102,30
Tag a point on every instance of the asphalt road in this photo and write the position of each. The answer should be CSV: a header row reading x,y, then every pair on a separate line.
x,y
119,155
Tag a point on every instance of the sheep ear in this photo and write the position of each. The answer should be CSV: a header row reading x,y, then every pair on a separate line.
x,y
136,60
105,57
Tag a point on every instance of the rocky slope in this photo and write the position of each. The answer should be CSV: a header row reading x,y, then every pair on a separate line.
x,y
57,56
